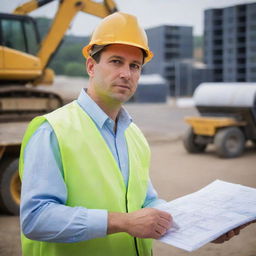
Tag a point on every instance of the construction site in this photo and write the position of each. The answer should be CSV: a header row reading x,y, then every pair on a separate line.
x,y
193,140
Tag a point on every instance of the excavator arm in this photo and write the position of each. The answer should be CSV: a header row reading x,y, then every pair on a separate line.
x,y
67,10
30,6
98,9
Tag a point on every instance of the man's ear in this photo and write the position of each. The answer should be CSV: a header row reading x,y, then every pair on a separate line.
x,y
90,64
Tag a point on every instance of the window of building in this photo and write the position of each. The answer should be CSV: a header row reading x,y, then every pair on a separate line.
x,y
217,52
218,41
241,79
241,39
241,70
242,19
241,29
241,60
217,12
169,56
173,37
218,32
241,50
171,45
217,62
217,23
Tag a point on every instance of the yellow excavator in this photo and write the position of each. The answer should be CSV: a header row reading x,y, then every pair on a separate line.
x,y
23,65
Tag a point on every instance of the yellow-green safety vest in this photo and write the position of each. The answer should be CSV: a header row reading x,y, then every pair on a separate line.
x,y
94,181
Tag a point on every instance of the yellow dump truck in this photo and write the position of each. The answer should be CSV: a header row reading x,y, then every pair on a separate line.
x,y
227,118
23,65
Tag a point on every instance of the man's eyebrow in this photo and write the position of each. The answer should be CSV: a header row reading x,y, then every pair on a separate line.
x,y
116,57
122,58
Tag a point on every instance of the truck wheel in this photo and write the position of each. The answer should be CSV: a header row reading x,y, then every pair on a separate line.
x,y
10,186
190,144
229,142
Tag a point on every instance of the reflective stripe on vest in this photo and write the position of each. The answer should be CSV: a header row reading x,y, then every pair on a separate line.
x,y
94,181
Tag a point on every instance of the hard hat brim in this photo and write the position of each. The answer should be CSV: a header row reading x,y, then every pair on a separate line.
x,y
87,48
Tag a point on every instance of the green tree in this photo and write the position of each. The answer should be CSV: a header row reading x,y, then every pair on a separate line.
x,y
58,66
75,69
43,25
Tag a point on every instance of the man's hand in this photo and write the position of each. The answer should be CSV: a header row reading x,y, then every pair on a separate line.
x,y
144,223
148,223
231,234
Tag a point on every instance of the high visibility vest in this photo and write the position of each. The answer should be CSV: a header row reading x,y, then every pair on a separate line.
x,y
94,181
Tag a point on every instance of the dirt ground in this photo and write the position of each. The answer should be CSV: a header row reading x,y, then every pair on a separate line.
x,y
174,173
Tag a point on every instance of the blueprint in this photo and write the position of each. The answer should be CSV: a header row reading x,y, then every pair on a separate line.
x,y
205,215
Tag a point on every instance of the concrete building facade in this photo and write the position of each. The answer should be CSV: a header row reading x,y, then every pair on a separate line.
x,y
230,43
169,44
173,59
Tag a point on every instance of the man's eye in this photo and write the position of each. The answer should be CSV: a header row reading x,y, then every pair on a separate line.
x,y
116,61
135,66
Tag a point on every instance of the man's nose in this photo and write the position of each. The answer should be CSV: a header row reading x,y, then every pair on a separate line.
x,y
125,72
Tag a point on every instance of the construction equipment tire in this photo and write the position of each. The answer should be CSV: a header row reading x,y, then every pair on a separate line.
x,y
190,144
10,186
229,142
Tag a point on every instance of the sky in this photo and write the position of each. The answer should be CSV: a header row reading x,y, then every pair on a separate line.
x,y
150,13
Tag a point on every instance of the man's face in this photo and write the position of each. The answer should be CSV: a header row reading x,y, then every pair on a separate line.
x,y
116,75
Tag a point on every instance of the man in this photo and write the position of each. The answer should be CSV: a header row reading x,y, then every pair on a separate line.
x,y
86,188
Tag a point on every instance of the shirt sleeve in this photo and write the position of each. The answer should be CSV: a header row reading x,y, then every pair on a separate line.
x,y
152,199
43,213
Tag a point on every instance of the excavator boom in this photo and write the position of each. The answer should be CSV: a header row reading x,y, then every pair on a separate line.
x,y
30,6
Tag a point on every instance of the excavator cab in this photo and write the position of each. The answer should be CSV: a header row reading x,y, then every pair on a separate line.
x,y
19,43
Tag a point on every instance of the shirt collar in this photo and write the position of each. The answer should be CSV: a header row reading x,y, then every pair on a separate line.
x,y
97,114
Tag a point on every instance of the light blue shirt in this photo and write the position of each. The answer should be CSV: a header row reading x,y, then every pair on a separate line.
x,y
43,214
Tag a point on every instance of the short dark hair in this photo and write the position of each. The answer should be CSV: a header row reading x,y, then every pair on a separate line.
x,y
97,56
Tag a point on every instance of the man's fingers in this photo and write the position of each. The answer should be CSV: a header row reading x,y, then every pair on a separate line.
x,y
237,231
148,223
230,234
165,215
160,230
164,223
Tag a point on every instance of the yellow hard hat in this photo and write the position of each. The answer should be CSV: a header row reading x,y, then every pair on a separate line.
x,y
119,28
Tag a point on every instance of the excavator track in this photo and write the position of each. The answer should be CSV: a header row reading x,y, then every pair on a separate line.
x,y
22,103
